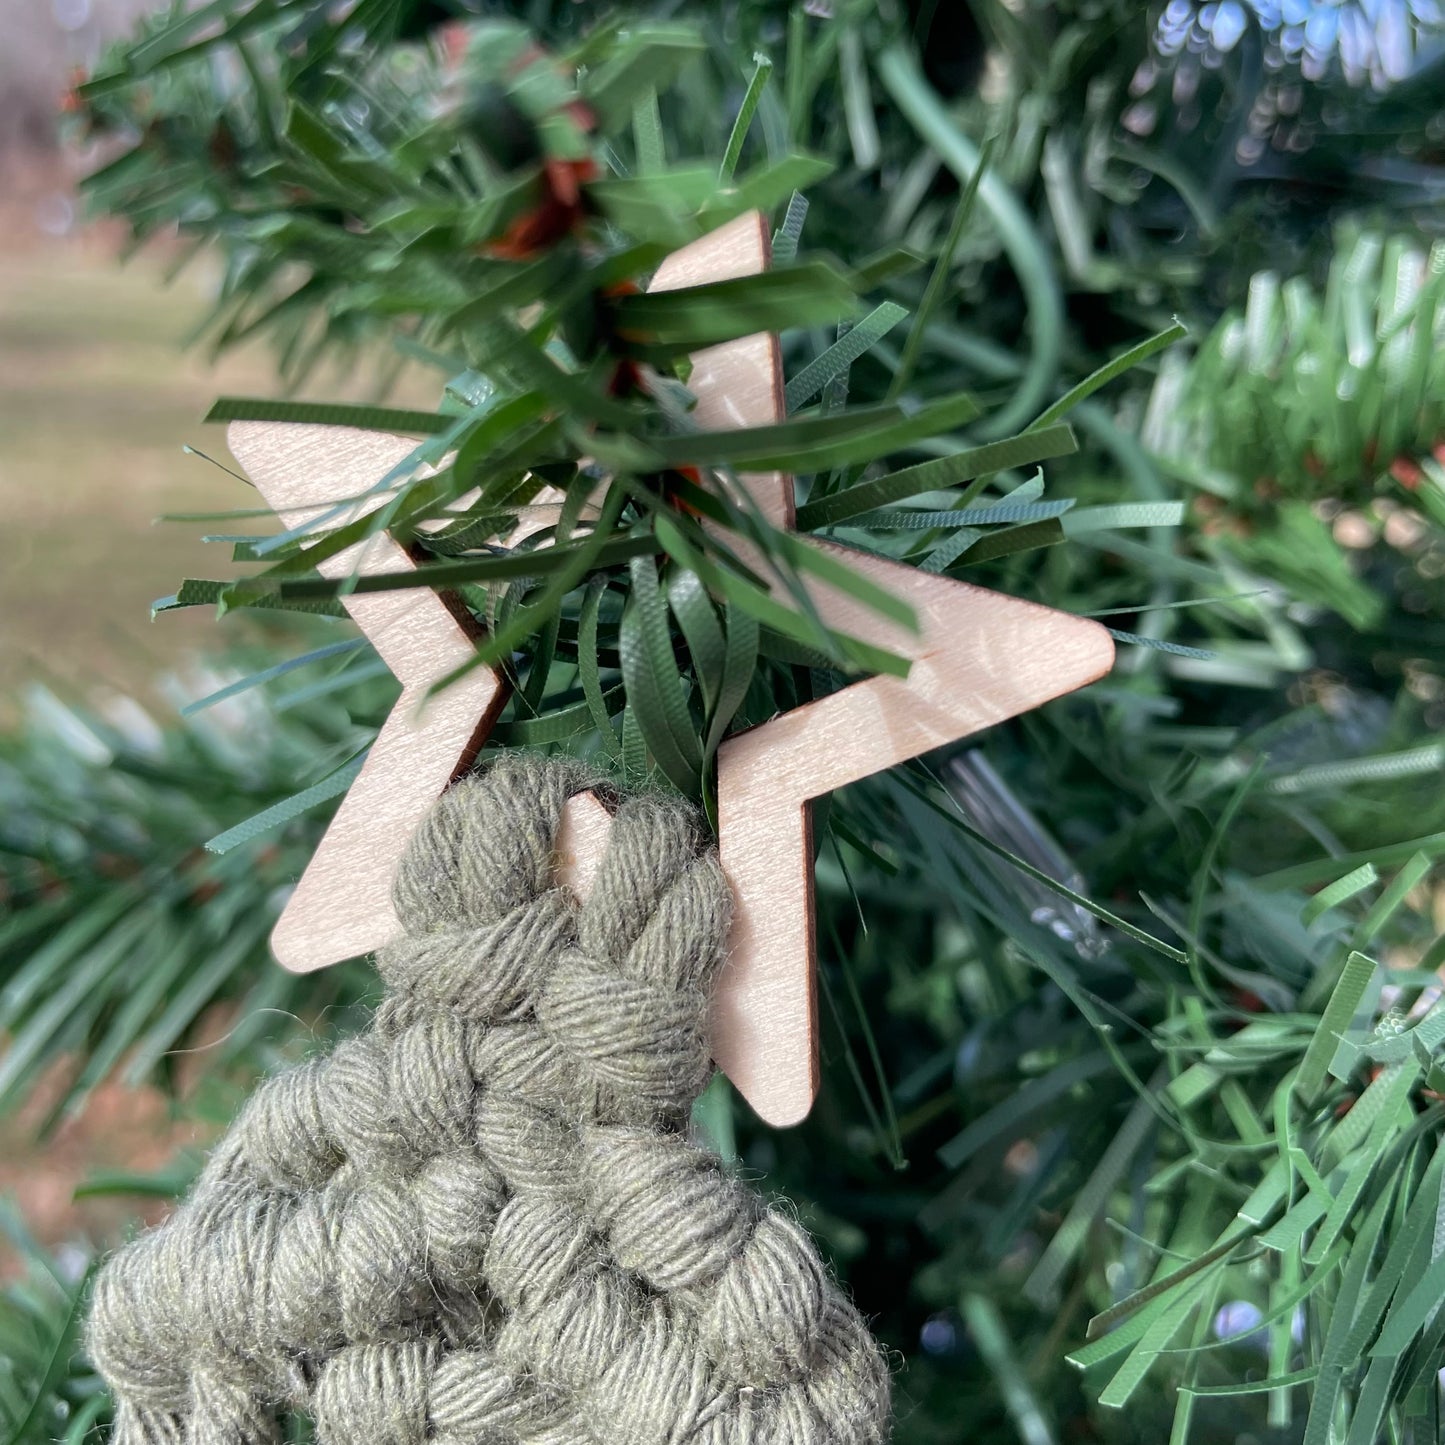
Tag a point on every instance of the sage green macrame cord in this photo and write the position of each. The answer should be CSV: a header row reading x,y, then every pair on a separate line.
x,y
481,1222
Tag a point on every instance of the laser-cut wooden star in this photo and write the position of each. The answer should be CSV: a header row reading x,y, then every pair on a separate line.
x,y
978,658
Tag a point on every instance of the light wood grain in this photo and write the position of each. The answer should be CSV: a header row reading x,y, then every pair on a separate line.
x,y
740,383
341,906
978,658
581,841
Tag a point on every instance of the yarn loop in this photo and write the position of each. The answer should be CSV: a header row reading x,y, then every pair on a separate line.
x,y
481,1222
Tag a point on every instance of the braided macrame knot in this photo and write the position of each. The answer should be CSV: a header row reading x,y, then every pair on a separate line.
x,y
481,1222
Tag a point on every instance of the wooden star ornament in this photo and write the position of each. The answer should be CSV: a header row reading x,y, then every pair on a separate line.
x,y
978,657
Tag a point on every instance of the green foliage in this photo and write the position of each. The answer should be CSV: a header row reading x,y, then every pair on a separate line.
x,y
517,252
1303,394
47,1392
1252,1101
121,928
1085,1084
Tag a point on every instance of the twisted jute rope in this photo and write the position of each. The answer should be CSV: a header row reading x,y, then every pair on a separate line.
x,y
481,1222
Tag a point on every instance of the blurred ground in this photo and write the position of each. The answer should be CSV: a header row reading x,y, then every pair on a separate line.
x,y
99,394
130,1131
97,398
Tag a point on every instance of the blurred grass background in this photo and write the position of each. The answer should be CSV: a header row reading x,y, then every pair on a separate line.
x,y
82,338
97,396
100,395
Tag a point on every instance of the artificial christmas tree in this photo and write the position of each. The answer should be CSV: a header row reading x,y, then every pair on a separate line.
x,y
1134,1023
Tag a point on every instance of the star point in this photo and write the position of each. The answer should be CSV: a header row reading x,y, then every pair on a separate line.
x,y
978,657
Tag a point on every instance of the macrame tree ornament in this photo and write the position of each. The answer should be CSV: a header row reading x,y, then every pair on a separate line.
x,y
977,657
481,1222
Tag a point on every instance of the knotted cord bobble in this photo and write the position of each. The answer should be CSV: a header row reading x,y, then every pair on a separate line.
x,y
485,973
487,846
458,1196
136,1426
431,1082
481,1222
669,1213
520,1061
475,1401
643,1051
653,847
570,1337
535,1150
225,1410
760,1313
659,1388
379,1261
376,1394
536,1246
570,1313
284,1125
146,1350
361,1110
847,1384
